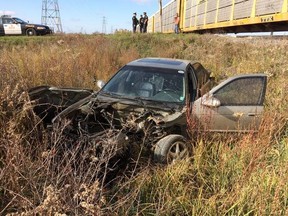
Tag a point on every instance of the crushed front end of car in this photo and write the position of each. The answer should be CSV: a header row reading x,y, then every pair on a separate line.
x,y
109,125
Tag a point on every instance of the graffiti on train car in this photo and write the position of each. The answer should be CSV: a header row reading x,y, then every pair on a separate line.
x,y
267,19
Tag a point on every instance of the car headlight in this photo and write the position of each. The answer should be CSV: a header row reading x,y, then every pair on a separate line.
x,y
40,28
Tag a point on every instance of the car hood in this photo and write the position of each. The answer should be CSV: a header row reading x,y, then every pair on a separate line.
x,y
162,112
53,104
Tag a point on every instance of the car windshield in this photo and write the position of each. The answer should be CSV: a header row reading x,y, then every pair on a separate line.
x,y
148,83
19,21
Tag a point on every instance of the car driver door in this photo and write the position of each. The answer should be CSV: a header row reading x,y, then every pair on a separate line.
x,y
10,27
234,105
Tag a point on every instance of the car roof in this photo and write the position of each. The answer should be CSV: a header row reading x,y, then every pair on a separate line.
x,y
178,64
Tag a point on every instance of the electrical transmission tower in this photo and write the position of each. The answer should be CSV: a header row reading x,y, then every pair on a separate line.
x,y
51,15
104,25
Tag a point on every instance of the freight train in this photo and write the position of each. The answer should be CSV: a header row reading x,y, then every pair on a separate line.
x,y
222,16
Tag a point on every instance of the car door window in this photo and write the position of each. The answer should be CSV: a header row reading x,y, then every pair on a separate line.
x,y
243,91
192,87
201,74
7,21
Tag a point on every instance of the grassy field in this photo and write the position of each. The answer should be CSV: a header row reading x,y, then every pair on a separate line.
x,y
227,175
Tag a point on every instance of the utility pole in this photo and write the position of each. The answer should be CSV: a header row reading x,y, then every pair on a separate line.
x,y
160,13
51,15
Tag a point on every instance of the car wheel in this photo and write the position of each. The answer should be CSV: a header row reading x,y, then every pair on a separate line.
x,y
171,148
30,32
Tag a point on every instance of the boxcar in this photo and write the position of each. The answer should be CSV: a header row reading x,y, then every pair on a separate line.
x,y
222,16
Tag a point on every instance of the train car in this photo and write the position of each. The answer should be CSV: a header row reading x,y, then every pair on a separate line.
x,y
222,16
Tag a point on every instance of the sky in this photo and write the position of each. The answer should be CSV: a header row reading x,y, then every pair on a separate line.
x,y
84,16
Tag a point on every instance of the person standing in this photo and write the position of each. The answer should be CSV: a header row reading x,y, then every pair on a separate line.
x,y
176,22
134,22
141,23
145,22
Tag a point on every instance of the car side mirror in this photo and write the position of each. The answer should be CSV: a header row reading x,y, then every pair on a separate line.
x,y
100,84
211,101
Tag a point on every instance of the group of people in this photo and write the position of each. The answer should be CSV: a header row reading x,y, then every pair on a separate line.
x,y
142,22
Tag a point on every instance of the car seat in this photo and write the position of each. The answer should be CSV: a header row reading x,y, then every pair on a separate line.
x,y
145,89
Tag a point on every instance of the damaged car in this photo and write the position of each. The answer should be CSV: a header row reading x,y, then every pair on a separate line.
x,y
149,102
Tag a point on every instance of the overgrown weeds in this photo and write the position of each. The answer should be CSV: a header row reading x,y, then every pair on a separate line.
x,y
227,175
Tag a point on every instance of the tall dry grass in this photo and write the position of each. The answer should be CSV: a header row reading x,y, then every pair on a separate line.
x,y
227,175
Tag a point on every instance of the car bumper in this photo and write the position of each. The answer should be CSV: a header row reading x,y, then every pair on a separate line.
x,y
44,32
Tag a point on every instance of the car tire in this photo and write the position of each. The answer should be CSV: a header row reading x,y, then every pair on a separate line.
x,y
171,148
30,32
